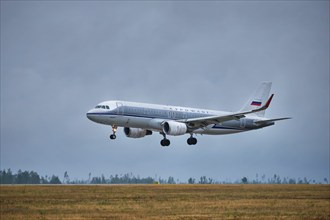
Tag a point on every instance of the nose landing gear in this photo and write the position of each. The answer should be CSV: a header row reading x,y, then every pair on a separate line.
x,y
114,130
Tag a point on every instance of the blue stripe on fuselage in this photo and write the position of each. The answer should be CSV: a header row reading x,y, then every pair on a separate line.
x,y
228,128
115,114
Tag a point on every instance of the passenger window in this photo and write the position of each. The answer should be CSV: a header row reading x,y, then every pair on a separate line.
x,y
107,107
103,106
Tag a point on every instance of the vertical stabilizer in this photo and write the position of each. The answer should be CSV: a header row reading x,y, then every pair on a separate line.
x,y
258,99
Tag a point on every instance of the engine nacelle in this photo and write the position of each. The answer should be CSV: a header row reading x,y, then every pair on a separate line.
x,y
174,128
136,132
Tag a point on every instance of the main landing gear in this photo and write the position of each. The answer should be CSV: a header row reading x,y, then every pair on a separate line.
x,y
165,142
191,140
114,130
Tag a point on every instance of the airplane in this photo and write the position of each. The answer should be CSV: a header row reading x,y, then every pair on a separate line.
x,y
142,119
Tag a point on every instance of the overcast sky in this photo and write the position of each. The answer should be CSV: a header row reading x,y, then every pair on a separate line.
x,y
59,59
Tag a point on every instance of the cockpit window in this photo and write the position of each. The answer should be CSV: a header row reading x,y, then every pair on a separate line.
x,y
102,106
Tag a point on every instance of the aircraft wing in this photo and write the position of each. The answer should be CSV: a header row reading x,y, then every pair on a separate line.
x,y
205,121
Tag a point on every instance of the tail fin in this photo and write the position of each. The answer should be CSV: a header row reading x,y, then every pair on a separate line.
x,y
258,99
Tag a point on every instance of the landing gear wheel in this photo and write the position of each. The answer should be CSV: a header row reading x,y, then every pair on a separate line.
x,y
191,141
165,142
113,135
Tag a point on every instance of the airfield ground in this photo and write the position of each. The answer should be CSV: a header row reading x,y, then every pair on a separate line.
x,y
165,202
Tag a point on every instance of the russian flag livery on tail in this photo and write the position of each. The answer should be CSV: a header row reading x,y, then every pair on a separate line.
x,y
256,103
142,119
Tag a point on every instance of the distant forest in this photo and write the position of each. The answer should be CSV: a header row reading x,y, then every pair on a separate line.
x,y
32,177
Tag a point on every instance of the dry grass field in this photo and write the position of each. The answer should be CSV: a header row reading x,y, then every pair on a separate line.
x,y
165,202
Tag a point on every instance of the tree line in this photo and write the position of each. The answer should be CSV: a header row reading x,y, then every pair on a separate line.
x,y
32,177
26,177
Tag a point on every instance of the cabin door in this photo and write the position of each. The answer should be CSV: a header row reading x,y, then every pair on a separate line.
x,y
120,108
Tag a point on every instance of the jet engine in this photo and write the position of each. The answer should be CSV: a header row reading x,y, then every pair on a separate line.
x,y
174,128
136,132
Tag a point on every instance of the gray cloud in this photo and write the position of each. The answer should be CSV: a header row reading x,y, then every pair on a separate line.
x,y
59,59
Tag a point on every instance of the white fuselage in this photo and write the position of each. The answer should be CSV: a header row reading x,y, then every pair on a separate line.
x,y
152,117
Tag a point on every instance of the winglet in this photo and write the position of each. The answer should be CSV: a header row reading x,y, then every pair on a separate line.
x,y
265,106
269,101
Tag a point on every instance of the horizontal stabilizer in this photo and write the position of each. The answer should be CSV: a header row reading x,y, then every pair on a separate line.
x,y
270,120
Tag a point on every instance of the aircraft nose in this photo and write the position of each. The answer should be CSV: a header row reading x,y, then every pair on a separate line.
x,y
89,115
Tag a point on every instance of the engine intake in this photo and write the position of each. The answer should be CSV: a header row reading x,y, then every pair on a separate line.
x,y
136,132
174,128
